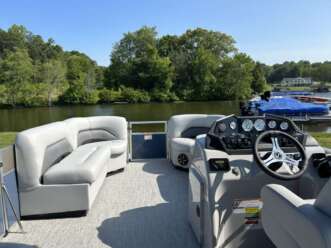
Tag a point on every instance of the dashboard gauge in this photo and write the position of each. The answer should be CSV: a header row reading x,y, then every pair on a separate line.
x,y
284,125
233,125
247,125
259,125
222,127
272,124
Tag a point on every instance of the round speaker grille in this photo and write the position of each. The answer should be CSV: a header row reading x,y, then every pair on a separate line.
x,y
182,159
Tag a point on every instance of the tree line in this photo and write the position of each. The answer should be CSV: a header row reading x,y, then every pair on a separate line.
x,y
34,72
320,72
197,65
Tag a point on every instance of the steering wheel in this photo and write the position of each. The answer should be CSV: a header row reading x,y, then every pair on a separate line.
x,y
286,163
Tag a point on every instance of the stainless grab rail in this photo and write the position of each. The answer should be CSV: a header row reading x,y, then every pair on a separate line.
x,y
4,198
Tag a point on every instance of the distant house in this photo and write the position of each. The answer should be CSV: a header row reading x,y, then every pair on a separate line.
x,y
299,81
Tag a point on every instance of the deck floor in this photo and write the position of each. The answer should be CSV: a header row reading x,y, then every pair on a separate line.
x,y
144,206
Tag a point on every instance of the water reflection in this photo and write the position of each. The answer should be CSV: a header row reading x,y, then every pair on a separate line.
x,y
20,119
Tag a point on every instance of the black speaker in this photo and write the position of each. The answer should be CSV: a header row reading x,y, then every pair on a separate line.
x,y
182,159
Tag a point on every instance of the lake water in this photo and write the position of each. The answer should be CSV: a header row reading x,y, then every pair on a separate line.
x,y
20,119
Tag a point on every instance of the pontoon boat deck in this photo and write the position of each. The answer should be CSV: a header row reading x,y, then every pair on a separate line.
x,y
143,206
208,181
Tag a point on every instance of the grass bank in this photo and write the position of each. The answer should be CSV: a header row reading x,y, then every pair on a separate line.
x,y
7,138
323,138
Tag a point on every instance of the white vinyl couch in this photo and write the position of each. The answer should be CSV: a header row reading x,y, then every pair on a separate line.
x,y
182,130
61,166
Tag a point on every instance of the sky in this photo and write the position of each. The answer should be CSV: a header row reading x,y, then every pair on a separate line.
x,y
270,31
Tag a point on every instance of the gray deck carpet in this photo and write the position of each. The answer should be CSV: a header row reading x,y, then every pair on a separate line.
x,y
144,206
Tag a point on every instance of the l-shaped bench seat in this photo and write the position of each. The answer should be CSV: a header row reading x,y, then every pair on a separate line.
x,y
61,166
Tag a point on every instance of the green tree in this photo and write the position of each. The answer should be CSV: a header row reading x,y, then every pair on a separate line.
x,y
16,71
81,79
110,95
168,45
196,56
14,38
204,67
218,43
53,75
259,83
3,94
33,94
42,51
236,77
135,62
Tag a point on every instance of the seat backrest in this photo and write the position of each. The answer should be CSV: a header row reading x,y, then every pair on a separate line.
x,y
39,148
79,130
323,200
98,128
190,125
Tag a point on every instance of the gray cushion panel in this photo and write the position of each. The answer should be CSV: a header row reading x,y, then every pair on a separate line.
x,y
193,132
179,123
96,135
84,165
83,137
102,135
54,153
77,125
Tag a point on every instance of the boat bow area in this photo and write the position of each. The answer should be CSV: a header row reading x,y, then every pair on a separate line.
x,y
143,206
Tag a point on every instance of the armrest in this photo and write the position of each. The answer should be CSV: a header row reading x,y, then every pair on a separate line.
x,y
274,193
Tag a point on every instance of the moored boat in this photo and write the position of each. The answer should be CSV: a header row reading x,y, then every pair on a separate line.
x,y
290,107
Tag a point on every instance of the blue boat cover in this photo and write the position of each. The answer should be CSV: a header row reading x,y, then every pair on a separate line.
x,y
290,106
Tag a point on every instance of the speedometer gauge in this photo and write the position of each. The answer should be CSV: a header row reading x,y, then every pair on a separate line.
x,y
284,125
233,125
272,124
247,125
259,125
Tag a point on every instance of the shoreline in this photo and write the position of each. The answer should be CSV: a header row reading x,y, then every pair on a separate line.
x,y
8,138
109,104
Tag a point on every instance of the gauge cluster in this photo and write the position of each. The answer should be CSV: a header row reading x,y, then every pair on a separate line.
x,y
235,133
253,125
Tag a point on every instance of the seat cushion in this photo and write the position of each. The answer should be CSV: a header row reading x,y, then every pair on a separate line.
x,y
184,145
83,165
300,223
117,147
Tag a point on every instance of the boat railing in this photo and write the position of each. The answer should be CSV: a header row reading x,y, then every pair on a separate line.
x,y
149,142
9,203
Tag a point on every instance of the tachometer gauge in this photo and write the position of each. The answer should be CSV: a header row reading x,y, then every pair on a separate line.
x,y
222,127
233,125
247,125
259,125
284,125
272,124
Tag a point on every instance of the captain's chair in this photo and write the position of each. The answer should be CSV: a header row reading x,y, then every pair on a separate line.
x,y
290,221
182,130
